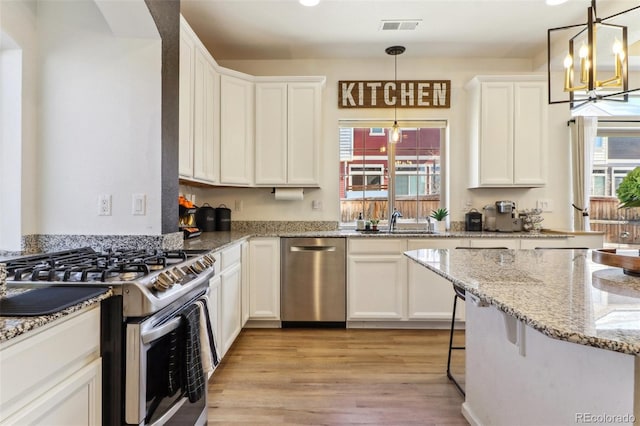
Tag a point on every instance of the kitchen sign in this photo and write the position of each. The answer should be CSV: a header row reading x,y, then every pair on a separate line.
x,y
394,94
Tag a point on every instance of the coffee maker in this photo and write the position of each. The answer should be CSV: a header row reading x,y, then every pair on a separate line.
x,y
504,215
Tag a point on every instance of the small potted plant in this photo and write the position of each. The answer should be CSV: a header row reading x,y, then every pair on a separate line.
x,y
374,224
439,215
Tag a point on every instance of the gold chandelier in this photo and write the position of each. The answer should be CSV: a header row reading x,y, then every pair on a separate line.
x,y
599,40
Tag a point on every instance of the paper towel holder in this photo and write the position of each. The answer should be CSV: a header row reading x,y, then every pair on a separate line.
x,y
273,190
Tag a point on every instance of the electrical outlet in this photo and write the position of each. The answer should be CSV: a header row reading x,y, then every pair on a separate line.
x,y
546,205
239,205
138,204
104,205
316,204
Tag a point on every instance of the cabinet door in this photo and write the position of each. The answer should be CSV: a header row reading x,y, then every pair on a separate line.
x,y
245,282
303,134
264,282
236,131
496,129
430,296
205,109
376,287
215,301
185,132
77,400
271,133
530,129
230,309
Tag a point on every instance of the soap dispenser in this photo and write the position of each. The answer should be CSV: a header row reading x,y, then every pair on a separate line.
x,y
360,223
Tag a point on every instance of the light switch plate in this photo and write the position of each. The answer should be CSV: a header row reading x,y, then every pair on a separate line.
x,y
138,204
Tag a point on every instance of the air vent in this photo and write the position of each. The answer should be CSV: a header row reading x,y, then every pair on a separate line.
x,y
402,24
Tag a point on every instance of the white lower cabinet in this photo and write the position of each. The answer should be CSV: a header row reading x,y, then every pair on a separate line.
x,y
245,282
215,290
229,307
264,279
376,281
54,375
430,296
508,243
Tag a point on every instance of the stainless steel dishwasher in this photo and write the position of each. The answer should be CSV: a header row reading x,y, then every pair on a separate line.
x,y
313,282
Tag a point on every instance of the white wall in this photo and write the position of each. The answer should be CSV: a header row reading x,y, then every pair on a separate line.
x,y
18,64
99,129
258,204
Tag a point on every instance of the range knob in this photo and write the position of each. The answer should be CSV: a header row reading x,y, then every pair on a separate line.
x,y
198,266
177,273
163,282
208,260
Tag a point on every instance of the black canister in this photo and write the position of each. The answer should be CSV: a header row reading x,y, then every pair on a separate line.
x,y
223,218
473,221
206,218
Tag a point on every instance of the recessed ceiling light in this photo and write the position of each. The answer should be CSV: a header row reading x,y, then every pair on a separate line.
x,y
555,2
309,2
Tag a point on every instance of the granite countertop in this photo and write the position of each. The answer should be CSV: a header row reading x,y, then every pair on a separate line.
x,y
11,327
220,240
561,293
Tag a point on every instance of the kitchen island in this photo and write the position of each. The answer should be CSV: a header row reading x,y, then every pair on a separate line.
x,y
551,336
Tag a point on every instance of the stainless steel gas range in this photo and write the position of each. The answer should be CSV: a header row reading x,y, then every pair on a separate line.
x,y
151,330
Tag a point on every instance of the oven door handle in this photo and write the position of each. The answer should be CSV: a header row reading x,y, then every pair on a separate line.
x,y
163,330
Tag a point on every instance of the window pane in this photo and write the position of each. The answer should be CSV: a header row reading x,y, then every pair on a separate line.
x,y
365,176
616,152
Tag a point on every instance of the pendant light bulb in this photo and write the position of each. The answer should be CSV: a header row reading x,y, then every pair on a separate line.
x,y
395,129
395,132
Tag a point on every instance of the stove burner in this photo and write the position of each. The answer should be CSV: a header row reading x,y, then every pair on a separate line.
x,y
87,265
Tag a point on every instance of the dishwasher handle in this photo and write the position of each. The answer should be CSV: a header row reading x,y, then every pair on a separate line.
x,y
312,248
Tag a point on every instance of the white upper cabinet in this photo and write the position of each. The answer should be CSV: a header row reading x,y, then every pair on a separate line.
x,y
508,131
288,132
236,130
199,136
187,71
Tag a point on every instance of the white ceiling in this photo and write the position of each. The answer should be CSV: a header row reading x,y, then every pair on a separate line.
x,y
284,29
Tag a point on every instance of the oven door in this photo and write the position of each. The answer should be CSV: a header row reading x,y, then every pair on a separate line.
x,y
154,391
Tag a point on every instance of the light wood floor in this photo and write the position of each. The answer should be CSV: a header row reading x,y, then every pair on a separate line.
x,y
337,377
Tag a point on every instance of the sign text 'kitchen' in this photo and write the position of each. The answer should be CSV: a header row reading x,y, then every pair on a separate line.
x,y
390,94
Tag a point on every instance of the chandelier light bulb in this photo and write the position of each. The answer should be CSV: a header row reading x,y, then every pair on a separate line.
x,y
568,61
584,51
617,46
309,3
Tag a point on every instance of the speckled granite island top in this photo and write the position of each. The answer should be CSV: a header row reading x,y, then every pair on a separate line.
x,y
561,293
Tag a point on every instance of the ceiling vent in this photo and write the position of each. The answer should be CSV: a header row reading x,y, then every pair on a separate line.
x,y
401,24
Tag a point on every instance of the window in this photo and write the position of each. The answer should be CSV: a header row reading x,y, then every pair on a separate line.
x,y
616,152
368,184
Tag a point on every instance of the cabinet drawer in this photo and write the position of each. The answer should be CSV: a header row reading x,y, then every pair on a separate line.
x,y
510,243
436,243
36,363
377,245
230,256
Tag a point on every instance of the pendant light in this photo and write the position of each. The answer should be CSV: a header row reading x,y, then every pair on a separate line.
x,y
584,79
395,129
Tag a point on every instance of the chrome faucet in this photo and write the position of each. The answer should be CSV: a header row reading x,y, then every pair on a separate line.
x,y
430,227
394,218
